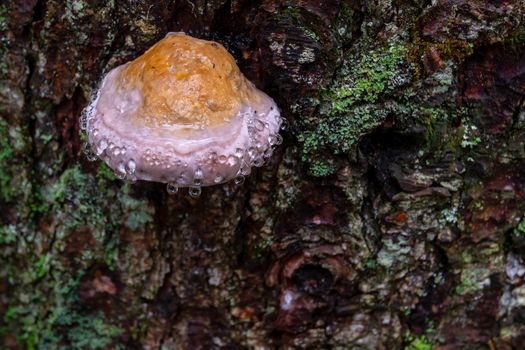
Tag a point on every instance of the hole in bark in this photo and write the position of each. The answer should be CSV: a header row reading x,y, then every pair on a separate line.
x,y
312,279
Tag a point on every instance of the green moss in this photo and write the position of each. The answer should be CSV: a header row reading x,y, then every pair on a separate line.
x,y
371,75
520,229
6,152
322,168
49,324
451,48
88,332
3,17
516,41
293,14
419,343
351,107
472,279
8,234
105,173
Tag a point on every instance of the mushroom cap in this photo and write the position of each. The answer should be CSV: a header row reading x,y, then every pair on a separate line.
x,y
182,113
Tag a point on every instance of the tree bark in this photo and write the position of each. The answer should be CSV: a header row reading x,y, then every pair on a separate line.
x,y
392,217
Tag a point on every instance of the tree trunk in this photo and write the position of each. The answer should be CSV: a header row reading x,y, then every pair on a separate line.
x,y
390,218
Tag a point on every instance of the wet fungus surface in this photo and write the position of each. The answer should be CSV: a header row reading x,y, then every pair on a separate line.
x,y
181,114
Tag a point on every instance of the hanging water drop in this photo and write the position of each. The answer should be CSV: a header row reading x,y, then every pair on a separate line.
x,y
259,125
101,147
197,177
233,160
239,180
194,191
121,168
172,188
131,166
284,124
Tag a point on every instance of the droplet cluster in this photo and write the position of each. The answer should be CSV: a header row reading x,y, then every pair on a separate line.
x,y
212,167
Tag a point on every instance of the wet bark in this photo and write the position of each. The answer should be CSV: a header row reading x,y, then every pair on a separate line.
x,y
392,217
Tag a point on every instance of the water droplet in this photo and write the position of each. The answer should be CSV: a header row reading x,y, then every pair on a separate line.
x,y
83,121
101,146
259,125
223,159
131,166
233,160
181,179
194,191
258,162
123,150
239,180
172,188
198,174
239,152
120,175
116,151
267,154
95,133
245,169
218,179
252,153
279,139
121,168
284,124
213,156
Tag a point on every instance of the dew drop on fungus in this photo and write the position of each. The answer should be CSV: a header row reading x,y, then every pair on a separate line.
x,y
212,156
239,180
245,169
181,179
258,162
131,166
101,146
194,191
197,177
233,160
121,168
284,124
259,125
119,175
172,188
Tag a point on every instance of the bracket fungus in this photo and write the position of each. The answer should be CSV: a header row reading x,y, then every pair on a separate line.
x,y
181,114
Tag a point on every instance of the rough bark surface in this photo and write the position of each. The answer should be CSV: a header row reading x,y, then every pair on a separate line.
x,y
391,218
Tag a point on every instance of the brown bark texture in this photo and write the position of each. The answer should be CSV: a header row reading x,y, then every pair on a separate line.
x,y
392,217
